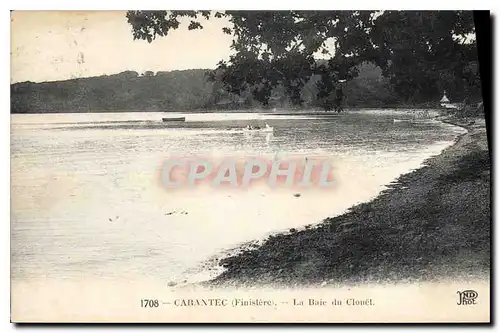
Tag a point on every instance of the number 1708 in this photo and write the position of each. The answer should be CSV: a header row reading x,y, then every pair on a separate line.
x,y
149,303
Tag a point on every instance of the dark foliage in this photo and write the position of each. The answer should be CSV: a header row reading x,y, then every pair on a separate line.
x,y
127,91
420,53
184,91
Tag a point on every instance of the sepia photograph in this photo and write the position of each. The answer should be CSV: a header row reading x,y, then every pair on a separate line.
x,y
250,166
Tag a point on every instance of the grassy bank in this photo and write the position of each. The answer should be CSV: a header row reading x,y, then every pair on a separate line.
x,y
431,223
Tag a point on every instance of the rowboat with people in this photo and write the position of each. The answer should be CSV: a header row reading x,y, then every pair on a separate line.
x,y
265,128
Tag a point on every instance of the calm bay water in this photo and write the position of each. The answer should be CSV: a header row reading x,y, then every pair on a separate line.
x,y
86,199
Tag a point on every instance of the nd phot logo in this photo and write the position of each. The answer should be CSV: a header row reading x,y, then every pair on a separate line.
x,y
467,297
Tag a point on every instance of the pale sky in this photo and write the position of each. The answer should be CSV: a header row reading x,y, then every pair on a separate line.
x,y
57,45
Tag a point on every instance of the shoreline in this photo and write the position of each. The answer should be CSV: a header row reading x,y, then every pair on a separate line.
x,y
278,111
429,224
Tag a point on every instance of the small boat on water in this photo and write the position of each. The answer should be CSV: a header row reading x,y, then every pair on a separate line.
x,y
422,121
266,129
174,119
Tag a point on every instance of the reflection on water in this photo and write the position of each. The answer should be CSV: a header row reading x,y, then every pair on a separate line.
x,y
86,196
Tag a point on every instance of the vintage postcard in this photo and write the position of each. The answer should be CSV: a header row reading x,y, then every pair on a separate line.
x,y
249,166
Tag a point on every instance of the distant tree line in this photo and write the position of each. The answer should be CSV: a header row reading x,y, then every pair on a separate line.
x,y
127,91
186,90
